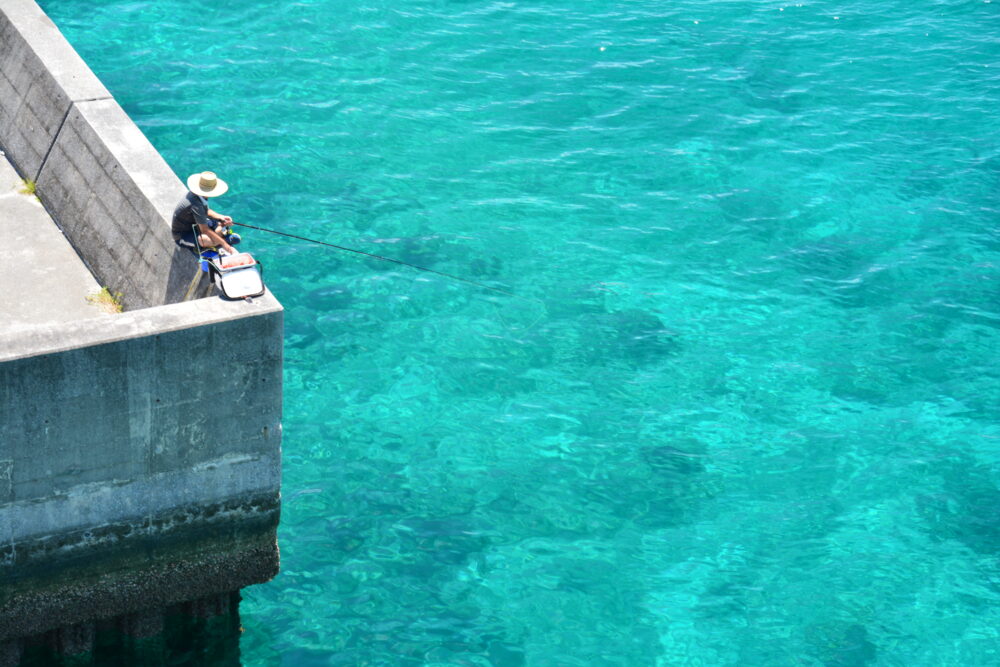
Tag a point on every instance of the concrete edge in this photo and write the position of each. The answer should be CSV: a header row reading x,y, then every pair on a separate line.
x,y
50,339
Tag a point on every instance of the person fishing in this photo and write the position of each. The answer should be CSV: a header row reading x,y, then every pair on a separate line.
x,y
214,229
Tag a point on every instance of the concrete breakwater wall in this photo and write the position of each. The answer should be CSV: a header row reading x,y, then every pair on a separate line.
x,y
95,172
139,454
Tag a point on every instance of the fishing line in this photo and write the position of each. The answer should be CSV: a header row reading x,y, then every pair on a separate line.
x,y
386,259
538,302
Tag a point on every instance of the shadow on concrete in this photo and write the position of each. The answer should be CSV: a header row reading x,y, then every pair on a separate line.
x,y
198,633
186,279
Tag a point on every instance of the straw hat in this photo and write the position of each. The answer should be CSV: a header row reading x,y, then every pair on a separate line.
x,y
207,184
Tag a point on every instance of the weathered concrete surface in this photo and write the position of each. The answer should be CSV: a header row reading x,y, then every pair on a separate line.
x,y
100,179
42,279
142,582
41,75
10,653
113,195
198,402
140,463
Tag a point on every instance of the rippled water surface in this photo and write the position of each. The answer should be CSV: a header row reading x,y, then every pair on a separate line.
x,y
744,411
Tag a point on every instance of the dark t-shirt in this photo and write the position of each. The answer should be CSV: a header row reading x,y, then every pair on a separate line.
x,y
192,209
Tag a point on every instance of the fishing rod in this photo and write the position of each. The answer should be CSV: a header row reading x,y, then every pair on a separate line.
x,y
386,259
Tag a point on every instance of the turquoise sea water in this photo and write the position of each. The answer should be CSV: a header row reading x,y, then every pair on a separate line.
x,y
745,412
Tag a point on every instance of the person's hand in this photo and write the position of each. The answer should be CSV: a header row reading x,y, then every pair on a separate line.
x,y
227,221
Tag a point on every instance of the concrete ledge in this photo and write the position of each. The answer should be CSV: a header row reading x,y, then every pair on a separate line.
x,y
29,341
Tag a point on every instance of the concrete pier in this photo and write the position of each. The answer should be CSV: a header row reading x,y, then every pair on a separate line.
x,y
139,451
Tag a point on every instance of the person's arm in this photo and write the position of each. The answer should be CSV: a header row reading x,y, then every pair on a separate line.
x,y
202,214
224,219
